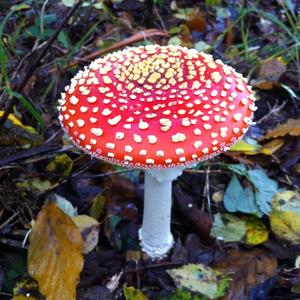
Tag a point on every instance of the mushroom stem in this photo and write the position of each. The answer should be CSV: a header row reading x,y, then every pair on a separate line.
x,y
155,234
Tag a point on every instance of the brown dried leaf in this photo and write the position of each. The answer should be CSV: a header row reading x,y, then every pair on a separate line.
x,y
271,70
54,257
248,269
291,127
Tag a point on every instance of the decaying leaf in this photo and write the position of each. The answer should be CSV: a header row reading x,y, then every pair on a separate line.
x,y
54,256
200,279
272,146
14,132
26,289
131,293
256,231
228,228
246,269
97,207
245,229
89,229
269,73
35,184
285,217
62,164
291,127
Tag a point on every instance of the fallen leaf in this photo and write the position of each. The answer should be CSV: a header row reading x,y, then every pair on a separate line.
x,y
54,255
65,205
98,205
26,289
246,270
200,279
34,184
14,132
233,194
269,73
197,22
62,165
132,293
252,148
265,189
89,229
256,231
271,70
272,146
228,228
291,127
285,217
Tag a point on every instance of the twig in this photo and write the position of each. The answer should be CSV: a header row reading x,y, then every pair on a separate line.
x,y
13,101
9,219
159,265
133,39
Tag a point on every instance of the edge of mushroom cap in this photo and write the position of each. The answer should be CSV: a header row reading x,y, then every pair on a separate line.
x,y
132,165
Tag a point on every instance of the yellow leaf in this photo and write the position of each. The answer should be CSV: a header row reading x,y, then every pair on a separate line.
x,y
272,146
133,294
17,122
54,255
25,288
256,231
285,217
246,148
23,297
89,229
291,127
62,164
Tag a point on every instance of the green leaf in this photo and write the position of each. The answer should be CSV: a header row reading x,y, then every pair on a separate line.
x,y
233,194
228,228
97,207
265,187
68,3
200,279
202,46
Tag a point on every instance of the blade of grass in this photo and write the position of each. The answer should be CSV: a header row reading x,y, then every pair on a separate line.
x,y
28,106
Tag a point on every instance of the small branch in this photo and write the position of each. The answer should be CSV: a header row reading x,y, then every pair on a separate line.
x,y
8,220
133,39
13,101
155,266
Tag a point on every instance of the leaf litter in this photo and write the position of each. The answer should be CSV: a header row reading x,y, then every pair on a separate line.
x,y
248,234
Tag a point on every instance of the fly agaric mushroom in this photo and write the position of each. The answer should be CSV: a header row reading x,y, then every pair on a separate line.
x,y
158,108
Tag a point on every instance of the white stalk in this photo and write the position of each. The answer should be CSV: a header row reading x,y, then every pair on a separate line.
x,y
155,234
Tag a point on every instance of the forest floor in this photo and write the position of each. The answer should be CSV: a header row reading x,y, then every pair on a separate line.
x,y
241,240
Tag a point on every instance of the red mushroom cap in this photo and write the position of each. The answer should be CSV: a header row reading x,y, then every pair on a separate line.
x,y
156,107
